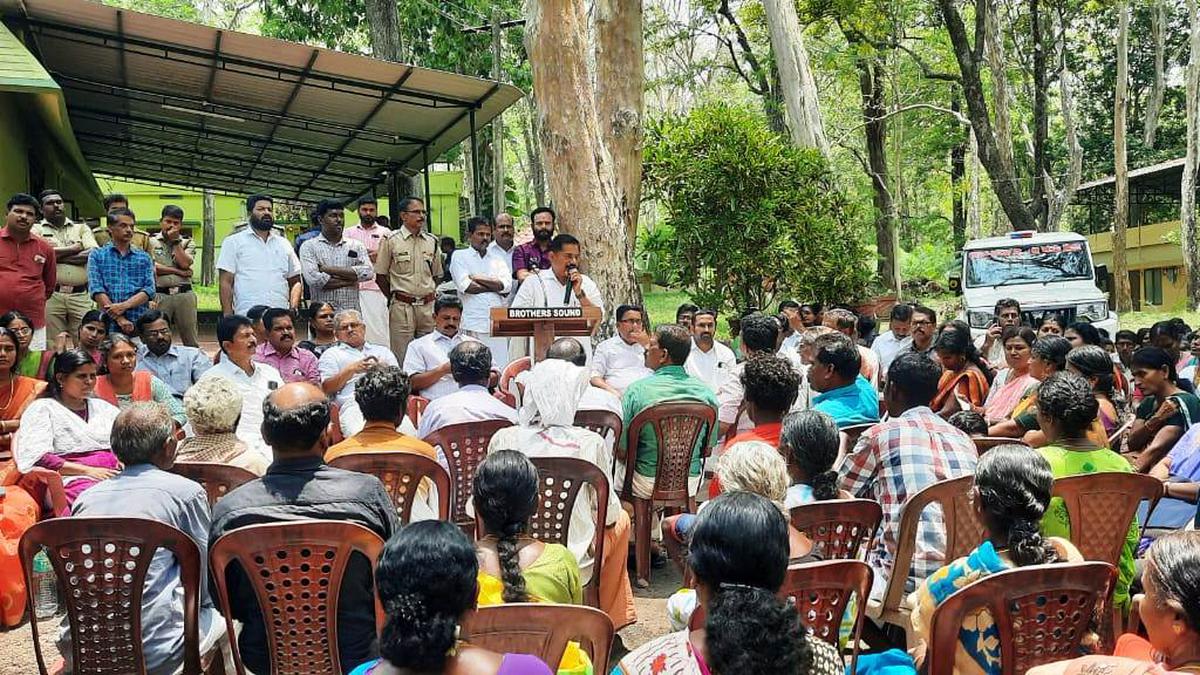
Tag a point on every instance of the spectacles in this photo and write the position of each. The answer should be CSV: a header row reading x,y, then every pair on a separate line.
x,y
915,322
23,331
637,321
350,326
159,331
416,213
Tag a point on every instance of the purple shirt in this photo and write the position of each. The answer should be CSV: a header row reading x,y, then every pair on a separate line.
x,y
298,365
528,255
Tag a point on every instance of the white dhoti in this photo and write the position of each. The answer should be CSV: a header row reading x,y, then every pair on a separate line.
x,y
375,316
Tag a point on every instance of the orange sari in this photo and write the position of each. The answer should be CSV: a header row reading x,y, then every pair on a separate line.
x,y
970,384
18,510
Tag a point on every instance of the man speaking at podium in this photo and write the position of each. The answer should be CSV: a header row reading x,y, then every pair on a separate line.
x,y
563,285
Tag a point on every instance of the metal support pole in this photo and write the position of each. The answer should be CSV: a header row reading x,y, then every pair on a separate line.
x,y
394,196
425,164
477,188
498,202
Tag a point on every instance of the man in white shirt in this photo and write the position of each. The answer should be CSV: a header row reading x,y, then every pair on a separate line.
x,y
709,361
333,265
427,360
371,300
256,381
759,335
563,285
990,346
503,234
789,311
342,364
258,266
483,280
471,366
890,343
620,360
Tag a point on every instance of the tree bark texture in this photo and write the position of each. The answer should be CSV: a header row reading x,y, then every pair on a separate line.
x,y
795,73
579,169
870,78
1121,166
499,198
620,83
1154,102
958,171
1003,179
533,152
1041,117
1187,209
997,62
383,25
974,205
208,258
1061,196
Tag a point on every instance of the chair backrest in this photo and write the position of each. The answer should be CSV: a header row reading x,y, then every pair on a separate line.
x,y
963,529
677,426
335,424
561,479
216,479
464,445
296,571
1101,507
415,408
401,474
603,422
985,443
839,528
513,369
1041,612
542,630
821,592
101,565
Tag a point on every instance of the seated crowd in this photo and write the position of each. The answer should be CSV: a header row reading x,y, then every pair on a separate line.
x,y
805,407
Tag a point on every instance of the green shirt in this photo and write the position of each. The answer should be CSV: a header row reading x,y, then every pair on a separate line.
x,y
1056,523
669,383
1189,410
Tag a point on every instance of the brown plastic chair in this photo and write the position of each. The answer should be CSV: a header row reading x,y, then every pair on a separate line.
x,y
821,593
101,564
963,533
296,571
985,443
401,474
561,479
678,426
839,528
464,445
1041,613
513,369
603,422
216,479
542,630
415,408
46,487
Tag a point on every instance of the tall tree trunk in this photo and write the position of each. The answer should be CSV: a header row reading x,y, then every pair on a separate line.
x,y
1004,183
1187,208
469,186
870,79
974,201
1041,118
578,167
1158,33
958,170
1062,196
773,103
208,247
795,72
383,27
533,151
620,82
993,46
1121,172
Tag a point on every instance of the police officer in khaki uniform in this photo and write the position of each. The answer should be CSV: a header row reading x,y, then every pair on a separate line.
x,y
72,243
407,267
173,254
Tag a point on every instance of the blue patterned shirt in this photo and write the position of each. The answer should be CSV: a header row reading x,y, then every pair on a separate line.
x,y
120,277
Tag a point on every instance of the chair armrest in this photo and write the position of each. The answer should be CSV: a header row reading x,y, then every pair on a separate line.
x,y
52,482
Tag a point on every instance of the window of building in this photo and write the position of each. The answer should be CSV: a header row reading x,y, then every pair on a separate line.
x,y
1154,286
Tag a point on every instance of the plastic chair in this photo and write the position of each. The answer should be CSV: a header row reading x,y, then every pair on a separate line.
x,y
985,443
217,479
464,445
963,533
401,474
604,423
513,369
101,564
839,528
415,408
561,480
296,571
335,424
1041,613
46,486
678,426
822,591
542,630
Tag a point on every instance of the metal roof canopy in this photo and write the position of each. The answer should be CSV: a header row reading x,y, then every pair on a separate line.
x,y
169,101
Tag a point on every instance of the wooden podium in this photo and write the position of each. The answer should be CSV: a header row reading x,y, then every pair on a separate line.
x,y
545,324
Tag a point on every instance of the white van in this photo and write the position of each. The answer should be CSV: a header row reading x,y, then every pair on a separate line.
x,y
1047,272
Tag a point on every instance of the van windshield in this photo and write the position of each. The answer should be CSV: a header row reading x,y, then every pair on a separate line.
x,y
1028,264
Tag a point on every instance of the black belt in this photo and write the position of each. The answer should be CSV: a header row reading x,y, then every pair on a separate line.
x,y
65,288
174,290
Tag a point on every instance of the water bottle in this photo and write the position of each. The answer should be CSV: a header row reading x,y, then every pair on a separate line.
x,y
45,587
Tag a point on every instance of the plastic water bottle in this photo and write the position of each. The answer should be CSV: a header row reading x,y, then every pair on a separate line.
x,y
45,587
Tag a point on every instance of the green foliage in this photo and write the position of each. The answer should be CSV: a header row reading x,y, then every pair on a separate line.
x,y
928,260
753,217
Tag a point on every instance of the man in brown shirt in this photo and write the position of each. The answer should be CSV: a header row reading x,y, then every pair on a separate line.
x,y
173,254
72,243
407,264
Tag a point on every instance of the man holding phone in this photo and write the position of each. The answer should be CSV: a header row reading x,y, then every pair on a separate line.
x,y
1008,313
334,265
342,364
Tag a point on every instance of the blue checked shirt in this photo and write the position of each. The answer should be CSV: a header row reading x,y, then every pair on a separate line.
x,y
120,277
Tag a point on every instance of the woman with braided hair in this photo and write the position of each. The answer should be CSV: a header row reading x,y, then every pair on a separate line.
x,y
1011,493
513,566
426,584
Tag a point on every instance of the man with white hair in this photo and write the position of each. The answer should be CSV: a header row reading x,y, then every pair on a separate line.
x,y
552,391
213,407
342,364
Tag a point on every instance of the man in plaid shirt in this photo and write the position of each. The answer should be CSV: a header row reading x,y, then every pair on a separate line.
x,y
897,458
121,276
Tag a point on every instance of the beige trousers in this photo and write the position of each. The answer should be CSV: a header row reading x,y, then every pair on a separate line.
x,y
407,323
64,312
180,310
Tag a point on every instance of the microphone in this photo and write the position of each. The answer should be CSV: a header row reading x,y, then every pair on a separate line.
x,y
567,292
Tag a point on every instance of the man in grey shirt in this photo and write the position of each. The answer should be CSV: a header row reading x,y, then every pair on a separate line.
x,y
142,439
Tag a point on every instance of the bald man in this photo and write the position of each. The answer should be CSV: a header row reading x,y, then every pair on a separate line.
x,y
299,485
